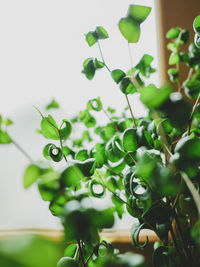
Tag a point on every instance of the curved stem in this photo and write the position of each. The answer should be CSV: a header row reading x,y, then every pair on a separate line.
x,y
191,117
61,145
22,150
102,56
81,252
131,111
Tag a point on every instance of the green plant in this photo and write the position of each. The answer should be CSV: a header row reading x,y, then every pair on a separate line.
x,y
148,166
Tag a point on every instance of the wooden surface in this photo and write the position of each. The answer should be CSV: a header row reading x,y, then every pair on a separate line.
x,y
172,13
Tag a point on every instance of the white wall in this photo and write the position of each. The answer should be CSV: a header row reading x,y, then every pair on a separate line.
x,y
42,48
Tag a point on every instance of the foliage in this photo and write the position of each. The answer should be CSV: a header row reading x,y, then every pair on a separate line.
x,y
148,167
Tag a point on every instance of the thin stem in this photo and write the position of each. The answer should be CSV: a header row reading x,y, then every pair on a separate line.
x,y
103,57
22,150
61,145
89,258
131,111
81,252
193,191
112,191
110,119
193,111
130,55
176,246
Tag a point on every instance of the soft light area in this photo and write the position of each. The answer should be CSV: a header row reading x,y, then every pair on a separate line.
x,y
42,49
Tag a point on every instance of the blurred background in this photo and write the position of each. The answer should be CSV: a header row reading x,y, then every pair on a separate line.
x,y
42,49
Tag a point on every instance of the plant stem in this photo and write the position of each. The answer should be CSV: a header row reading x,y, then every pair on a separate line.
x,y
102,56
193,111
131,111
22,150
110,119
176,247
61,145
130,55
81,253
193,191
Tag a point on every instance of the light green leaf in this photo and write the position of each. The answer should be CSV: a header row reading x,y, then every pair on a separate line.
x,y
52,104
31,175
117,75
4,138
129,29
138,13
101,33
49,128
66,130
129,140
196,25
90,38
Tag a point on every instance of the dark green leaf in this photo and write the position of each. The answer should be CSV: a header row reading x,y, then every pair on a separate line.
x,y
89,68
173,74
197,40
95,104
65,130
101,33
97,189
135,231
117,75
129,140
45,151
144,66
127,87
189,147
71,250
71,176
55,153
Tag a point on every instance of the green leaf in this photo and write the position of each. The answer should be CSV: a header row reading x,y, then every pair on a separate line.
x,y
89,68
49,128
82,155
174,58
101,33
197,40
138,13
154,98
189,147
95,104
45,151
173,74
71,250
49,177
86,167
31,175
98,64
52,104
66,262
173,33
71,176
8,122
117,75
196,25
5,138
97,189
135,231
66,130
161,257
127,87
55,153
119,205
144,66
130,29
90,38
129,140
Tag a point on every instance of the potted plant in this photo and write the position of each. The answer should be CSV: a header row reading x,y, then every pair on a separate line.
x,y
148,166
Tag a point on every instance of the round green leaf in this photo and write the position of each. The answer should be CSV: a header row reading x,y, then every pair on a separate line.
x,y
66,130
129,140
117,75
130,29
55,153
138,13
49,128
173,33
174,58
89,68
95,104
101,33
31,175
97,189
4,138
196,25
45,151
67,262
127,87
82,155
90,38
